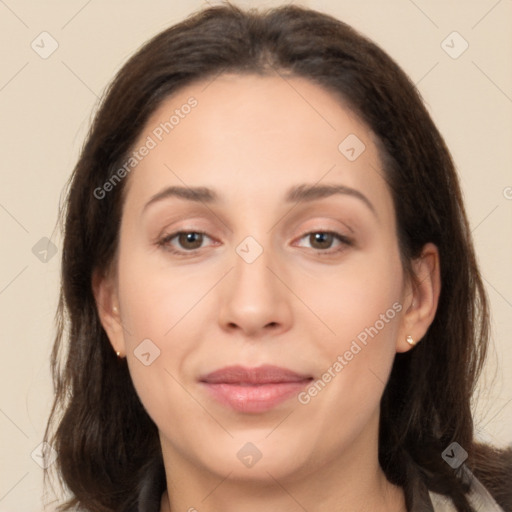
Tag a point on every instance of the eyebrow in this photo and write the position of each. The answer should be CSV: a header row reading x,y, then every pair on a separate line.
x,y
303,192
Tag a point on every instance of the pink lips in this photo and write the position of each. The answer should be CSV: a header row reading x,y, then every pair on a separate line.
x,y
253,389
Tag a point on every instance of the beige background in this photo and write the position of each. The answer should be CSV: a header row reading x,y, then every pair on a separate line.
x,y
47,105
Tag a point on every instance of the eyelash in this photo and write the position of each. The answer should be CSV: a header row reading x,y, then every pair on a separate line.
x,y
164,242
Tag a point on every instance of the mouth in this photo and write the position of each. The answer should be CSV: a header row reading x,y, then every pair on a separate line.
x,y
253,390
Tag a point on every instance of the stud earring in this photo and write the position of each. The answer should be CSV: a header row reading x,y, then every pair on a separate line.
x,y
118,354
410,341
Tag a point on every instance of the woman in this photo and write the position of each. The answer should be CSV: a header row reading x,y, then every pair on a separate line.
x,y
317,344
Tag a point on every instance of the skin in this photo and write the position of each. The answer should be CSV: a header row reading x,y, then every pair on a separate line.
x,y
251,138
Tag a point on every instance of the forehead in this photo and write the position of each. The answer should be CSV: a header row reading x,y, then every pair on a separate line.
x,y
277,109
249,133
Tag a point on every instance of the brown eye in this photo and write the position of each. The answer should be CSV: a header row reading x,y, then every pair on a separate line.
x,y
187,241
190,240
327,242
321,240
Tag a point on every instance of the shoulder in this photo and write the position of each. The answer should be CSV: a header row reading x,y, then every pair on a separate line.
x,y
492,468
479,498
487,474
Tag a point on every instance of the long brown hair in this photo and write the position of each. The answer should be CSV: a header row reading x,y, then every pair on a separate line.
x,y
104,438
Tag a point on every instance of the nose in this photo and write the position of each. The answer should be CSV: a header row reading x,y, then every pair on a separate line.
x,y
254,297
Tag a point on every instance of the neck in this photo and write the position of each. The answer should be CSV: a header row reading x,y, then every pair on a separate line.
x,y
385,498
349,481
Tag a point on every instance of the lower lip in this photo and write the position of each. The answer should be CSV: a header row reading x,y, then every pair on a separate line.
x,y
257,398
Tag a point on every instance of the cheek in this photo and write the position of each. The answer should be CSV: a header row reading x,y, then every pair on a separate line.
x,y
360,296
163,312
361,306
155,300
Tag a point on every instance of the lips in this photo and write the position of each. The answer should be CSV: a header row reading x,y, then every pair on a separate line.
x,y
253,390
266,374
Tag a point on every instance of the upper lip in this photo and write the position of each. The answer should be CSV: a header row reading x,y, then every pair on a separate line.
x,y
264,374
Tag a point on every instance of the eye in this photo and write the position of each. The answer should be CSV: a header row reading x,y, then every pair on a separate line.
x,y
323,241
188,241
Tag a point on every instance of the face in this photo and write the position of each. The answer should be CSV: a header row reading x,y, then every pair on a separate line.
x,y
287,256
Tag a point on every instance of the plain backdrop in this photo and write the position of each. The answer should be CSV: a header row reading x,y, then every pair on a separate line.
x,y
47,102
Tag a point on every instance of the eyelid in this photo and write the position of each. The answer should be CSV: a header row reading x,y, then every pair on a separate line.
x,y
165,239
344,241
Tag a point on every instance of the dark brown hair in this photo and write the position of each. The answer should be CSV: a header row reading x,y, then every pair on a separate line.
x,y
104,438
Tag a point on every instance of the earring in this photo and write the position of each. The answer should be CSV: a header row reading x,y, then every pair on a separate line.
x,y
118,354
410,341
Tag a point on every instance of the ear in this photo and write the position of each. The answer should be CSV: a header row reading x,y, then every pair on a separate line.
x,y
107,303
421,297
